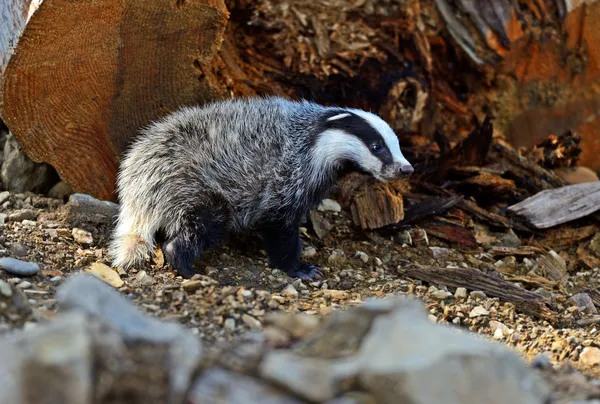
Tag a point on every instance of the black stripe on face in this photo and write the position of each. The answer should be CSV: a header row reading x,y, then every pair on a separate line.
x,y
359,127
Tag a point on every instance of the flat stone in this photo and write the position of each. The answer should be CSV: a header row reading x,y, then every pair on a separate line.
x,y
221,386
251,322
191,285
22,214
289,291
82,236
4,196
56,358
91,209
590,356
478,311
461,293
18,267
584,301
106,273
18,249
441,294
5,289
142,279
321,226
297,325
94,297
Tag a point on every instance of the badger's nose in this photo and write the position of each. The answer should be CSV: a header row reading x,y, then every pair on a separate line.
x,y
406,170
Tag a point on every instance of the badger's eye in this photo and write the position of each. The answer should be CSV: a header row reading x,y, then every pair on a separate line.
x,y
376,147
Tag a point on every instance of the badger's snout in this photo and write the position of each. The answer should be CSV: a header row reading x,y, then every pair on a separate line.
x,y
397,171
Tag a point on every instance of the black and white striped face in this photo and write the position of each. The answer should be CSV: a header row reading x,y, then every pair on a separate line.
x,y
365,139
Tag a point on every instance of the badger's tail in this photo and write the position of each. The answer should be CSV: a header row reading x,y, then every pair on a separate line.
x,y
132,242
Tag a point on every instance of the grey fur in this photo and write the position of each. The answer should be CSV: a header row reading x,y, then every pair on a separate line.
x,y
242,162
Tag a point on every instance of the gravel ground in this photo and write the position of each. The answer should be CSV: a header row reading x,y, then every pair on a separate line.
x,y
235,287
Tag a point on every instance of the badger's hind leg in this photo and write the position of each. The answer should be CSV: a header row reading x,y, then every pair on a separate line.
x,y
283,246
194,236
133,239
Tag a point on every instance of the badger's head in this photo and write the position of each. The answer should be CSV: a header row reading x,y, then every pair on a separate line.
x,y
364,139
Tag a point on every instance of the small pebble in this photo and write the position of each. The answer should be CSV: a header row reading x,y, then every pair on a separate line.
x,y
289,291
441,294
56,279
229,324
106,273
23,214
29,223
24,285
142,278
378,262
590,356
439,252
362,256
541,361
456,320
461,293
337,258
82,236
190,286
4,196
478,311
477,294
3,217
5,289
584,302
251,322
309,252
498,334
329,205
18,267
18,250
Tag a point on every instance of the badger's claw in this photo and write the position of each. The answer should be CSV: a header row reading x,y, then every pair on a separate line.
x,y
306,272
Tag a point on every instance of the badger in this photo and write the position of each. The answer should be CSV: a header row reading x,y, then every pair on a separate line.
x,y
257,164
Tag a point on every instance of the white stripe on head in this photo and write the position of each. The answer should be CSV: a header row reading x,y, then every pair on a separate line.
x,y
338,116
388,135
333,146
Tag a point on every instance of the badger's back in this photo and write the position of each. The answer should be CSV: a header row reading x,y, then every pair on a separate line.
x,y
238,153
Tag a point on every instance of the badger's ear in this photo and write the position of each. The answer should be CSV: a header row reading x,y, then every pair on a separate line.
x,y
333,119
341,115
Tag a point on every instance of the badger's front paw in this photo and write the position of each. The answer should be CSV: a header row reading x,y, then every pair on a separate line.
x,y
307,272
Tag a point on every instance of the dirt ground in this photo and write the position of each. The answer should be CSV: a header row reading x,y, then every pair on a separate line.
x,y
235,287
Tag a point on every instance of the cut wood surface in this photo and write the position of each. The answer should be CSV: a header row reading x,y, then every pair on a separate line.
x,y
75,92
473,279
561,205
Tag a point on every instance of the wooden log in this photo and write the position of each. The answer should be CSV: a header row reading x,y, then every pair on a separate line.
x,y
561,205
74,93
524,300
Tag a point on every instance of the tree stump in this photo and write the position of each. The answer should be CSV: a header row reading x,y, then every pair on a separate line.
x,y
85,76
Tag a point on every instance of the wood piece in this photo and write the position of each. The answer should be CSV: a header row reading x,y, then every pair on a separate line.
x,y
557,206
451,232
524,300
472,151
75,93
525,251
567,236
376,205
488,217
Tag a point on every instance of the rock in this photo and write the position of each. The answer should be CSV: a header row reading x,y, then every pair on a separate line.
x,y
23,214
297,325
337,258
4,196
478,311
289,291
362,256
142,279
554,265
222,386
3,218
82,236
403,237
439,252
191,285
20,174
251,322
55,358
82,207
18,250
542,361
478,294
18,267
497,325
106,273
584,302
399,347
590,356
441,294
309,252
321,226
24,285
95,298
5,289
61,191
329,205
498,334
461,293
419,237
576,175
